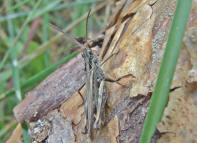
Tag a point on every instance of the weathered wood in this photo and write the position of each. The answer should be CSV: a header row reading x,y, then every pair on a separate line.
x,y
52,92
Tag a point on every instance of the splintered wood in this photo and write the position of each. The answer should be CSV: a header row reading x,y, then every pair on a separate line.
x,y
16,135
138,30
52,92
179,120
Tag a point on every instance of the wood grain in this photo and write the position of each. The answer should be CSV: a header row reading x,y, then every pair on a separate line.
x,y
52,92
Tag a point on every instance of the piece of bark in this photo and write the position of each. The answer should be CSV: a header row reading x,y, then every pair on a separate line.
x,y
52,128
178,123
140,34
52,92
62,131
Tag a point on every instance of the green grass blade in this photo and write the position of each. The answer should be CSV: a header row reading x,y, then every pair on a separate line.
x,y
19,4
4,59
77,3
5,75
168,65
45,34
14,15
59,19
27,21
25,133
78,11
15,71
45,9
40,12
6,129
20,32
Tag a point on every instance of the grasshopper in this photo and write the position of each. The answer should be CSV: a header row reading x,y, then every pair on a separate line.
x,y
96,91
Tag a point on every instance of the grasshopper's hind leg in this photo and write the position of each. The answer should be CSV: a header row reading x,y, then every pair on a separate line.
x,y
101,105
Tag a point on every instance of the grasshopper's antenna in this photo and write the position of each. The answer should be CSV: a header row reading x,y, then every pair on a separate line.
x,y
70,36
56,28
87,24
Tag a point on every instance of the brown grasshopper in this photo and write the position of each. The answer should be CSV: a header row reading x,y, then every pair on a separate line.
x,y
96,91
